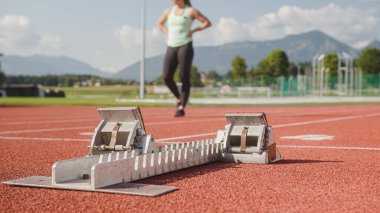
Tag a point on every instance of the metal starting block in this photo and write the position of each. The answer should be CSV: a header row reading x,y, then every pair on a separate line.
x,y
121,152
247,138
121,129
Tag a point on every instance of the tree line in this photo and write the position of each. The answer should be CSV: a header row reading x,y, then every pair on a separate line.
x,y
63,80
276,64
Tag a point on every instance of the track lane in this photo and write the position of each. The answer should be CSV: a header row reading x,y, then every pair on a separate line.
x,y
307,179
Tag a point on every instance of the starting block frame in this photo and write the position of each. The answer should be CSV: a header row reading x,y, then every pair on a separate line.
x,y
121,152
121,188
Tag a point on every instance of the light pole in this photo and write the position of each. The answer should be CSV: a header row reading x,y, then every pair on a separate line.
x,y
2,76
1,55
142,65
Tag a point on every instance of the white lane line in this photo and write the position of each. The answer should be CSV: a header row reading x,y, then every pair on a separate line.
x,y
330,147
326,120
90,119
219,112
47,121
43,130
278,126
309,137
281,146
88,127
321,112
210,133
87,133
38,118
93,120
44,139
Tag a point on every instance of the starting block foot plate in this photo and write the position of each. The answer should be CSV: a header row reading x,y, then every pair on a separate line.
x,y
121,188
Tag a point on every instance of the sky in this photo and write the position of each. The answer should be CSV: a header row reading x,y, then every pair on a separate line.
x,y
107,34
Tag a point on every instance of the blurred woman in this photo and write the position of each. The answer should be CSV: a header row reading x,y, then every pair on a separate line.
x,y
180,52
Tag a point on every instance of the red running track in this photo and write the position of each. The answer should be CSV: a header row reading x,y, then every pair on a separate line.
x,y
340,173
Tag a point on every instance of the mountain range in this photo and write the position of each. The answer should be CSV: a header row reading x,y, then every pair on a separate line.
x,y
38,65
299,48
375,44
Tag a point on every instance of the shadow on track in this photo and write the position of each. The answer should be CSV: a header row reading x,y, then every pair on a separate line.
x,y
299,161
188,173
214,167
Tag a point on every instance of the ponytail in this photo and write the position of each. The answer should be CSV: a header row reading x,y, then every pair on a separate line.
x,y
188,3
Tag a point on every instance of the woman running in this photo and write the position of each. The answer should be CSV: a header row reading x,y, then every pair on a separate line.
x,y
180,50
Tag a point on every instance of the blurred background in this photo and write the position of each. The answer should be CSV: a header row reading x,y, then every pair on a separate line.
x,y
94,50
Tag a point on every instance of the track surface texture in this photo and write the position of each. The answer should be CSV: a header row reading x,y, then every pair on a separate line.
x,y
339,172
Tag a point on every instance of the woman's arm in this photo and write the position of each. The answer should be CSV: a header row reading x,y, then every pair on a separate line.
x,y
197,15
162,20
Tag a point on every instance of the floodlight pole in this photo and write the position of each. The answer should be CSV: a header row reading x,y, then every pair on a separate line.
x,y
1,54
142,66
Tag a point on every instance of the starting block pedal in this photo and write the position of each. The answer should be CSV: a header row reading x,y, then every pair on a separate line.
x,y
122,152
121,129
247,138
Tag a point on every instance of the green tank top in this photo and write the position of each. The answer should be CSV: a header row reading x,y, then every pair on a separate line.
x,y
179,27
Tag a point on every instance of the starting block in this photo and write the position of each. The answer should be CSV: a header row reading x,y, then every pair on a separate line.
x,y
122,152
247,138
121,129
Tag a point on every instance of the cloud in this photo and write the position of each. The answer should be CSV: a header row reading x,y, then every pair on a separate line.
x,y
131,38
347,24
18,36
110,69
50,42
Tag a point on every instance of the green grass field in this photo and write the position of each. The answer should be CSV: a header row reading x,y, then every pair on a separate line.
x,y
108,95
75,101
96,96
128,92
19,101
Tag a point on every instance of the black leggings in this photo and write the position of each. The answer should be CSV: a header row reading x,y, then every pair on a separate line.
x,y
183,58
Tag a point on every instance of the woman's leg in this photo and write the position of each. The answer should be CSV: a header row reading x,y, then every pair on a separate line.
x,y
170,66
185,61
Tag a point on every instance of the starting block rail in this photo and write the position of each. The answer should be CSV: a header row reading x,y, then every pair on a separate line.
x,y
121,152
